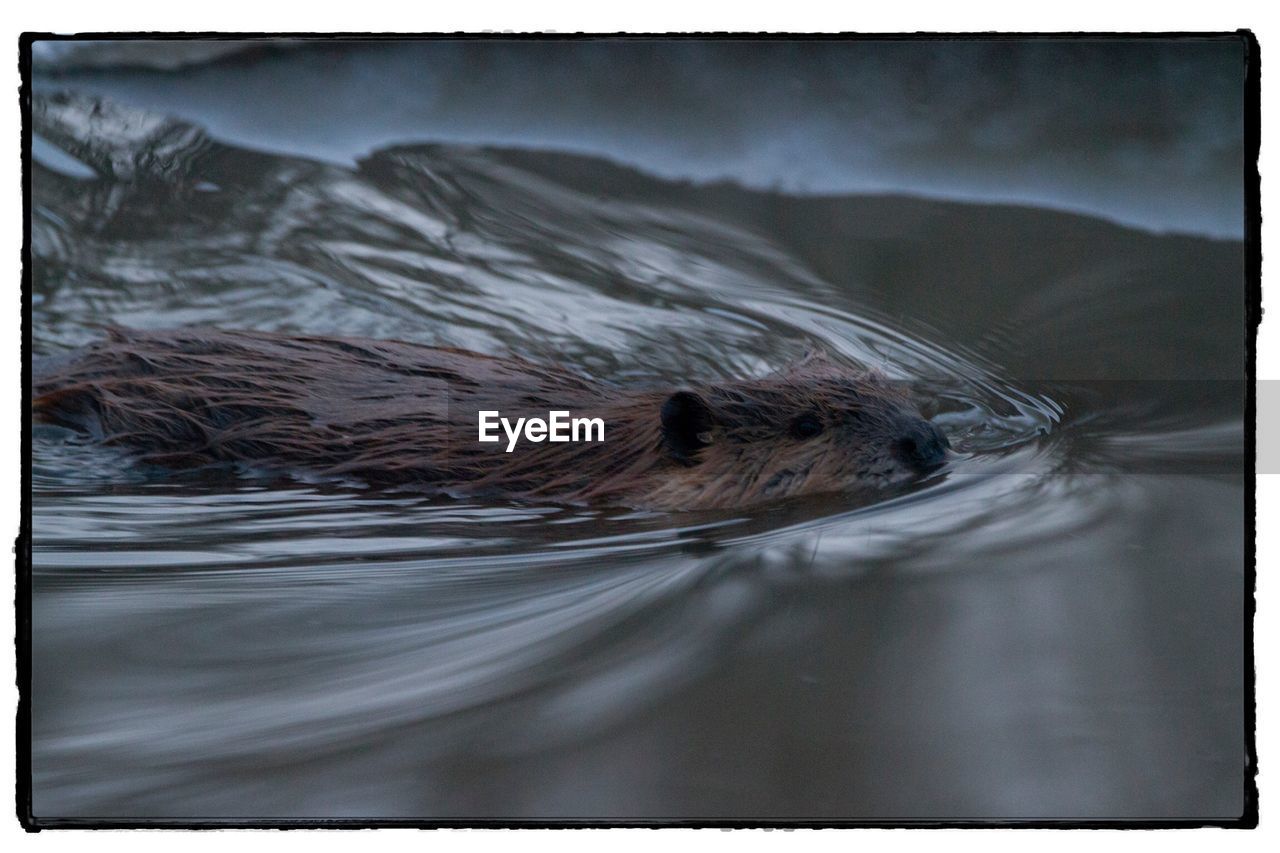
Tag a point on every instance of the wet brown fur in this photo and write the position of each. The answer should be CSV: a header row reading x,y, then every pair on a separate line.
x,y
392,413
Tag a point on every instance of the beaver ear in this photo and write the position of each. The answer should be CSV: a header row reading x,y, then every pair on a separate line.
x,y
686,425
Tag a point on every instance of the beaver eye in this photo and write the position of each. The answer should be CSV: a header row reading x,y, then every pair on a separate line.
x,y
806,426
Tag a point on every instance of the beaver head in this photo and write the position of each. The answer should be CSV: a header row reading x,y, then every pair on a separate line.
x,y
812,429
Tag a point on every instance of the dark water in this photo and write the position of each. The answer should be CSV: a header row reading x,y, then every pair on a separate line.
x,y
1145,132
1050,627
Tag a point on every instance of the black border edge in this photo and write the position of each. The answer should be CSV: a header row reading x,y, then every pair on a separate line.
x,y
1253,320
22,547
1253,316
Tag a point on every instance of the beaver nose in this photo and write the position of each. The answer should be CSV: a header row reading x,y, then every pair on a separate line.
x,y
921,445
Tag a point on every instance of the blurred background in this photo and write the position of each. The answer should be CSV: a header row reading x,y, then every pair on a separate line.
x,y
1146,133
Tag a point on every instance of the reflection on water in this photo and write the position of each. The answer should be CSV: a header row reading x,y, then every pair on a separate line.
x,y
1144,131
1049,627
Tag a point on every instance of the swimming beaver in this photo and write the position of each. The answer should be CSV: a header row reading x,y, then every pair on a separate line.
x,y
388,412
